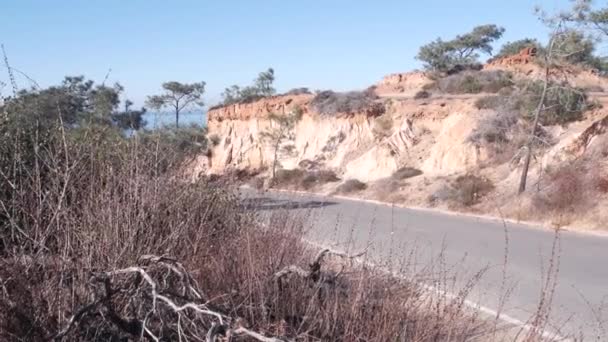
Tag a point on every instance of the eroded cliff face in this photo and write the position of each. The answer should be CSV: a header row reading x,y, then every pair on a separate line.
x,y
427,134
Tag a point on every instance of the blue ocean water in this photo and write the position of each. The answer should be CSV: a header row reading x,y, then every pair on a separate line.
x,y
160,119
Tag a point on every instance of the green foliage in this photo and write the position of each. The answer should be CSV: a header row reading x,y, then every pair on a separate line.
x,y
178,96
443,56
574,47
562,104
262,87
514,47
188,141
129,119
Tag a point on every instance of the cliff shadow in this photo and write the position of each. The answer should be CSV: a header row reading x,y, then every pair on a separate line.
x,y
267,203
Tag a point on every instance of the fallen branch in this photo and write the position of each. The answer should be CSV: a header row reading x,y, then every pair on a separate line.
x,y
140,328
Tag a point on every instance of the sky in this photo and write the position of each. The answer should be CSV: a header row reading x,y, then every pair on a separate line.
x,y
320,44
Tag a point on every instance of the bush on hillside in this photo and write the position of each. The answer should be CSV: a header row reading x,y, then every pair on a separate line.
x,y
566,191
350,186
465,190
405,173
298,91
422,94
303,179
330,103
473,82
563,104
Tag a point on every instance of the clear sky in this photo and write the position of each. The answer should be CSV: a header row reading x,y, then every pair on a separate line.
x,y
321,44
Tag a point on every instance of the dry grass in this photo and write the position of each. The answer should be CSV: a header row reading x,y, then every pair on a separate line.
x,y
112,224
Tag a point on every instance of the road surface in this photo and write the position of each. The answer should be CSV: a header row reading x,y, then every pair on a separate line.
x,y
468,245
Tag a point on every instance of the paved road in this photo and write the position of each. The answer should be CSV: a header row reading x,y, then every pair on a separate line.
x,y
468,245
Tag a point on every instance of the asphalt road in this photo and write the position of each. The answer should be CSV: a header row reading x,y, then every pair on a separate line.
x,y
421,239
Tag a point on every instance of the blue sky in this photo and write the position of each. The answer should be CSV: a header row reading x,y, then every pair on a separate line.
x,y
321,44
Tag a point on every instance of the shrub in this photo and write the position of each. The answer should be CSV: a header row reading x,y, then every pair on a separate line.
x,y
308,164
330,103
473,82
298,91
406,172
566,190
563,104
257,183
315,178
383,126
594,89
468,189
495,128
422,94
515,47
214,139
488,102
302,179
350,186
285,177
386,189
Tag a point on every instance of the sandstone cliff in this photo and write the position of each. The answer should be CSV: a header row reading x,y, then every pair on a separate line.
x,y
430,135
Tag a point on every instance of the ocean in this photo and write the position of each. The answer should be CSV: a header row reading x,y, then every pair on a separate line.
x,y
158,119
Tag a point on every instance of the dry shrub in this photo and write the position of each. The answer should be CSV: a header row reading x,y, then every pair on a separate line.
x,y
330,103
422,94
284,177
298,91
468,189
473,82
303,179
602,184
488,102
405,173
257,183
315,178
383,126
350,186
386,189
566,191
112,224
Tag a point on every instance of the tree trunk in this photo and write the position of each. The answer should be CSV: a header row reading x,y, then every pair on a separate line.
x,y
539,109
176,118
274,161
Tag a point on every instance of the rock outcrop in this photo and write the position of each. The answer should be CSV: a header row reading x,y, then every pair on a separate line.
x,y
525,56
